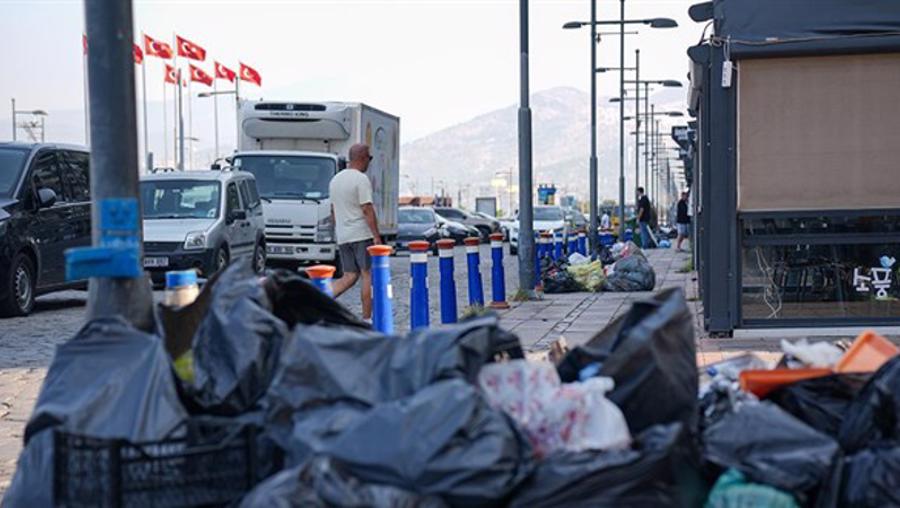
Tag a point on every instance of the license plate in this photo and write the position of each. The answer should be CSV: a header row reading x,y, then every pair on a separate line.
x,y
278,249
156,262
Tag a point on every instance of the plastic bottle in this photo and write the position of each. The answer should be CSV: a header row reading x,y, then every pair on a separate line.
x,y
181,288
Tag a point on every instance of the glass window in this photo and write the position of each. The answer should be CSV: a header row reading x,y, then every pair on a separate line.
x,y
76,175
420,216
46,175
180,199
548,213
233,202
12,160
289,177
250,195
450,213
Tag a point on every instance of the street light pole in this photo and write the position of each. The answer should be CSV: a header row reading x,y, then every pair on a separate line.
x,y
526,217
593,191
646,132
114,149
621,120
637,119
13,111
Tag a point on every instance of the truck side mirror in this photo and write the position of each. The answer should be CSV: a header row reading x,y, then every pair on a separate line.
x,y
46,197
342,163
215,166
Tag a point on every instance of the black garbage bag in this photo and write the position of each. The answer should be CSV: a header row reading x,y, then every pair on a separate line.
x,y
631,273
660,469
321,482
875,414
400,411
296,300
109,381
555,278
650,353
871,479
822,402
236,347
771,447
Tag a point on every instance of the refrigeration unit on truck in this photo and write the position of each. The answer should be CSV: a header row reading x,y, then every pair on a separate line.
x,y
294,149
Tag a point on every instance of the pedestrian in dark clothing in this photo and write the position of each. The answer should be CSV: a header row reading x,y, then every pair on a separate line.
x,y
644,213
682,221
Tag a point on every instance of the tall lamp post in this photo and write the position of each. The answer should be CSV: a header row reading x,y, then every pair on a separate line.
x,y
214,94
33,112
653,23
526,217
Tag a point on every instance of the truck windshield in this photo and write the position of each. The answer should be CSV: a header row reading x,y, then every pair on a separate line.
x,y
289,176
11,162
547,213
180,199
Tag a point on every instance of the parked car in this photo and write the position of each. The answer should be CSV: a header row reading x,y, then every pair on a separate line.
x,y
455,230
201,220
546,218
485,226
417,223
45,209
576,220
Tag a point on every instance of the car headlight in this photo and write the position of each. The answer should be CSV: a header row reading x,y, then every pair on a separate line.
x,y
195,240
325,230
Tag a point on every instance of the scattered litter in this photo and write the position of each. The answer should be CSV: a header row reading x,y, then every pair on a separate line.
x,y
576,258
818,354
732,490
589,276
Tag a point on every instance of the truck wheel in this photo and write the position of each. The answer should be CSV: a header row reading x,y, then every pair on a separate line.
x,y
259,258
20,288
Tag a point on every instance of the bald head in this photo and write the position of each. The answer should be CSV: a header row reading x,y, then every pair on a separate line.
x,y
359,157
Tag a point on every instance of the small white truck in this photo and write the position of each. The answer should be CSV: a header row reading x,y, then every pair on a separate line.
x,y
294,149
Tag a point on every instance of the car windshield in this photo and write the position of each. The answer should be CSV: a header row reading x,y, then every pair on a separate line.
x,y
11,162
180,199
289,176
547,213
415,217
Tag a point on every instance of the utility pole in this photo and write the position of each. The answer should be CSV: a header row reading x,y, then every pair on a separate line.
x,y
180,126
593,191
637,118
526,217
114,148
13,115
621,120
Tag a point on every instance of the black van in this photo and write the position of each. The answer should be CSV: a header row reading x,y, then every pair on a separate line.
x,y
45,209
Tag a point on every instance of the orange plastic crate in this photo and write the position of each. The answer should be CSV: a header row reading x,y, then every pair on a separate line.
x,y
867,354
763,382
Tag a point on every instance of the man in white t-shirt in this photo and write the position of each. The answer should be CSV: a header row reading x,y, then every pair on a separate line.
x,y
355,224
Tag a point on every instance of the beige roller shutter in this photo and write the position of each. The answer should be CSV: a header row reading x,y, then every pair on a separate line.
x,y
819,133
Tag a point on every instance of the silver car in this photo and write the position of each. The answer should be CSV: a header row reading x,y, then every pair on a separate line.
x,y
201,220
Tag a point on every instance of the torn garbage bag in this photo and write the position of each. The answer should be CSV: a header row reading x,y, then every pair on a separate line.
x,y
555,416
649,353
820,402
875,414
771,447
295,300
660,469
236,346
109,381
323,483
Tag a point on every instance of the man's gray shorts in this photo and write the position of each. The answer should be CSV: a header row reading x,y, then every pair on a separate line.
x,y
354,256
684,230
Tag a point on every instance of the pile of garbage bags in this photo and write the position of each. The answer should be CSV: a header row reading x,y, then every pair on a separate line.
x,y
621,268
342,415
630,270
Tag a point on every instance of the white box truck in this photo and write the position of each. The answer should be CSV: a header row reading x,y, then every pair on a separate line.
x,y
294,149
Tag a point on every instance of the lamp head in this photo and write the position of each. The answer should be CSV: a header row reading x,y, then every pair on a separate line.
x,y
671,83
572,25
662,23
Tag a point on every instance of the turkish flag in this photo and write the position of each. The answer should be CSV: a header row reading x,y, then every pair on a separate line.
x,y
156,48
223,72
249,74
190,50
84,42
171,75
138,55
198,75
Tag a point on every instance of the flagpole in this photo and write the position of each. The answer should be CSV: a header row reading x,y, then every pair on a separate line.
x,y
165,125
216,115
147,162
180,124
190,138
237,112
176,101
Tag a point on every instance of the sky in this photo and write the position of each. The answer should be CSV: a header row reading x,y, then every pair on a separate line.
x,y
434,63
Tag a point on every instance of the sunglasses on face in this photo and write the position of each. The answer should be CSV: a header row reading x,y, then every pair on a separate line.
x,y
370,158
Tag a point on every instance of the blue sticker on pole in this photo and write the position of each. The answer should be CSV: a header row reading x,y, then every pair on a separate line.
x,y
118,253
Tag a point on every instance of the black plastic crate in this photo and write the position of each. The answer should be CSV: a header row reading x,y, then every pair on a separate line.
x,y
205,463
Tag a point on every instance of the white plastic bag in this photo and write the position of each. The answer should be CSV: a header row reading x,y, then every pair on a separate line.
x,y
555,416
817,354
576,259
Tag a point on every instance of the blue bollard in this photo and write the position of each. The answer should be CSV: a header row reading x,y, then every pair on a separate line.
x,y
629,235
382,293
557,245
473,260
321,277
572,246
582,243
448,285
498,274
418,288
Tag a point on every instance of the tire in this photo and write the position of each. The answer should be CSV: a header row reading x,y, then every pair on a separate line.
x,y
221,260
20,286
259,258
